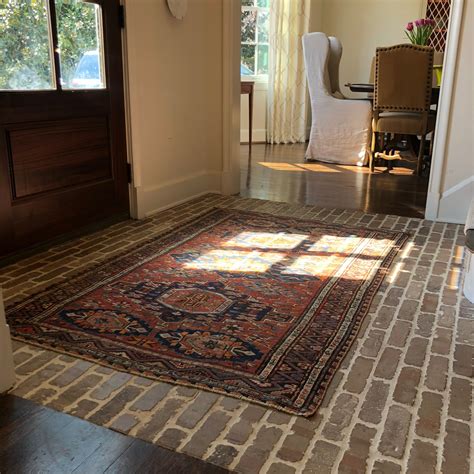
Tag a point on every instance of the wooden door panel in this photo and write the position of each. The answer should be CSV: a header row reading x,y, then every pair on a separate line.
x,y
21,107
59,212
51,155
63,160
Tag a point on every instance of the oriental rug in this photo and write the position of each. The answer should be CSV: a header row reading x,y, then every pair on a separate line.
x,y
249,305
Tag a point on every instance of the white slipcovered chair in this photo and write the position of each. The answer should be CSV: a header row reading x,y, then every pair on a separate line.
x,y
340,128
335,54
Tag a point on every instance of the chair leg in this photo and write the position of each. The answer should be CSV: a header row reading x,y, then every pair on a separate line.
x,y
421,152
372,152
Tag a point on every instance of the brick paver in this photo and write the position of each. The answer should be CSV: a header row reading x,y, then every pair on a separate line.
x,y
401,401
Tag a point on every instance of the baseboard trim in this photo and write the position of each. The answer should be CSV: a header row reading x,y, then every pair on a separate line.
x,y
258,135
7,372
454,202
468,284
154,199
432,204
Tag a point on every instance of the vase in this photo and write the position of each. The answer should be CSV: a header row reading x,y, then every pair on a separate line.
x,y
438,70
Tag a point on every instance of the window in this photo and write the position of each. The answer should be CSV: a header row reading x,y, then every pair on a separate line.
x,y
80,44
254,38
26,44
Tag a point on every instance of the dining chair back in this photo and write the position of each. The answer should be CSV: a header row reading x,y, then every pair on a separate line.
x,y
402,95
403,78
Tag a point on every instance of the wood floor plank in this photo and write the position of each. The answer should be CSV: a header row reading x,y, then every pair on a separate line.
x,y
20,444
34,438
280,173
66,448
142,457
105,455
129,462
13,409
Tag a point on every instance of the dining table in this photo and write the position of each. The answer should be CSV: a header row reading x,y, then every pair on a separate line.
x,y
369,87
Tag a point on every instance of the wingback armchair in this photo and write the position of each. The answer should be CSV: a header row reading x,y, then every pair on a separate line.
x,y
340,128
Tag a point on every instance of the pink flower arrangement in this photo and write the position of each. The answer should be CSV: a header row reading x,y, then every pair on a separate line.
x,y
419,31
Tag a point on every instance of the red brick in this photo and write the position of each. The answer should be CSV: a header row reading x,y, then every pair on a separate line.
x,y
430,303
355,459
460,399
323,458
256,454
442,341
456,448
399,334
340,417
395,432
422,458
407,385
388,363
437,373
207,433
416,351
429,415
374,402
386,467
358,375
463,360
372,343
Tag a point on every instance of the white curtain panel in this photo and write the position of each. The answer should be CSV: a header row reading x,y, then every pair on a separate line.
x,y
287,94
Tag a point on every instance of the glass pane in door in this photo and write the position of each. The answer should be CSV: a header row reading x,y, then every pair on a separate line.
x,y
25,46
80,42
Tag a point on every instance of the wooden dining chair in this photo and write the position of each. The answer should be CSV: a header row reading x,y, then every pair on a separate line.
x,y
402,95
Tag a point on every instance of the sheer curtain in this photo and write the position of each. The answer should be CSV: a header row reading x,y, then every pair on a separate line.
x,y
287,93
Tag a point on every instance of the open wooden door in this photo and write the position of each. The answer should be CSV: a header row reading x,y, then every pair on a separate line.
x,y
62,126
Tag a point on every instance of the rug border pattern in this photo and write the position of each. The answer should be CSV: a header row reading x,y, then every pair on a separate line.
x,y
320,382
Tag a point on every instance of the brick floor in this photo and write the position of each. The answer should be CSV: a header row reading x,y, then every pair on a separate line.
x,y
401,401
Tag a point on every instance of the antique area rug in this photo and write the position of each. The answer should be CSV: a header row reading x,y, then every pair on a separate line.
x,y
250,305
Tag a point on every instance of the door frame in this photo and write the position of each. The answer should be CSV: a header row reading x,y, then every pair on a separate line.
x,y
444,111
230,182
231,128
132,164
7,372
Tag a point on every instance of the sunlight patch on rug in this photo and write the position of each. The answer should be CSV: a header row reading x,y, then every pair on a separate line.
x,y
250,305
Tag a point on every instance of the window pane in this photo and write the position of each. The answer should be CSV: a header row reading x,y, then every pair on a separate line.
x,y
25,46
262,60
247,57
80,44
263,26
263,3
248,26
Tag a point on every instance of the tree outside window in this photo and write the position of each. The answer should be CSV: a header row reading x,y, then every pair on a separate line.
x,y
254,38
26,61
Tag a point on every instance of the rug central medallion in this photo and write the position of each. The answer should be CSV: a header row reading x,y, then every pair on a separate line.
x,y
195,300
252,305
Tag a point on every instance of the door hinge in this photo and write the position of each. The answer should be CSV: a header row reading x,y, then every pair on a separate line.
x,y
129,172
121,14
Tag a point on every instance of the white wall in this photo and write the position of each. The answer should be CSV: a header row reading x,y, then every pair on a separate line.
x,y
457,182
362,26
175,75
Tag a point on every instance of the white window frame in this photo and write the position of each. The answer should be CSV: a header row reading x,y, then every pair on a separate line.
x,y
256,77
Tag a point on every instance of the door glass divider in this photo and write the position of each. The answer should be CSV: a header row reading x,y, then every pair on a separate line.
x,y
55,44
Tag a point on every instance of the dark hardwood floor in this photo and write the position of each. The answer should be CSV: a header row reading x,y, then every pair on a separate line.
x,y
280,173
35,439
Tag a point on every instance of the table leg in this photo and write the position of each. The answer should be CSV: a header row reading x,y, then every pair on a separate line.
x,y
250,119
